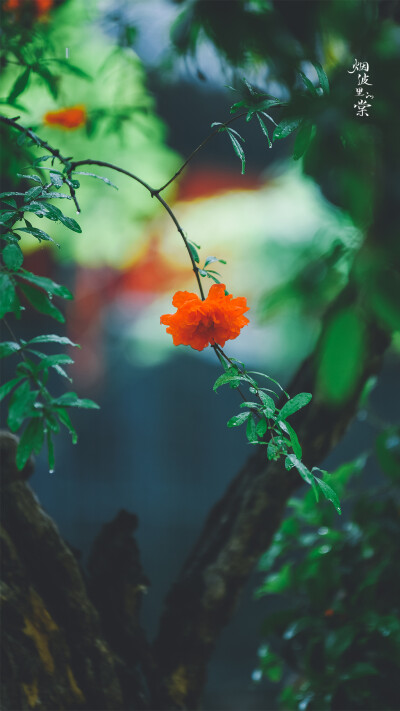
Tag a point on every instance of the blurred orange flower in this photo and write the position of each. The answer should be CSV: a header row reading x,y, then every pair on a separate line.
x,y
41,7
197,323
68,118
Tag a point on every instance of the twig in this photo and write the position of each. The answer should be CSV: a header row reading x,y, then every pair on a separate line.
x,y
193,153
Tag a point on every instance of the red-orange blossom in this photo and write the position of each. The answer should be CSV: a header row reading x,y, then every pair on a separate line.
x,y
196,323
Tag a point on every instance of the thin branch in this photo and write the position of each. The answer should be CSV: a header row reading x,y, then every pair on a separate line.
x,y
153,193
199,147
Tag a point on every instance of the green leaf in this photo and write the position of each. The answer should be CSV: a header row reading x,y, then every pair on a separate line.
x,y
37,161
341,356
56,179
52,360
261,427
31,177
7,387
210,260
268,403
64,417
33,193
231,376
273,451
8,347
329,493
39,234
70,223
238,420
251,405
293,439
99,177
20,405
294,404
272,668
286,127
7,294
323,79
53,338
303,139
301,468
12,256
264,130
72,400
193,252
310,86
237,148
256,372
47,284
62,372
19,85
31,441
41,302
366,391
276,582
251,432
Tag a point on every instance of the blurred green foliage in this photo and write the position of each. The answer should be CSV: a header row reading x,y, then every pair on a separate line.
x,y
336,634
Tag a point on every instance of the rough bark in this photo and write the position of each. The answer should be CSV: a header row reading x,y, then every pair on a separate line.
x,y
55,654
238,530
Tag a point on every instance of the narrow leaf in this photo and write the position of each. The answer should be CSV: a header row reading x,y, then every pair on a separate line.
x,y
41,302
53,338
264,130
19,85
323,79
8,347
47,284
7,294
31,441
329,494
20,405
64,417
99,177
72,400
7,387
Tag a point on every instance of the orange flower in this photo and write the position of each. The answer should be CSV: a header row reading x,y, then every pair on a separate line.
x,y
197,323
68,118
41,7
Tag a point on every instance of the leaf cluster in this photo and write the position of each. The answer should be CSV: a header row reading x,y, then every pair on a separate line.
x,y
267,424
31,402
337,627
297,114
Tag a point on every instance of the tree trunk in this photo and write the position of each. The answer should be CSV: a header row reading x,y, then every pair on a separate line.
x,y
55,652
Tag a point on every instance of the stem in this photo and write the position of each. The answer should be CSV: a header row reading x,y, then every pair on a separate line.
x,y
153,193
193,153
